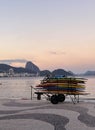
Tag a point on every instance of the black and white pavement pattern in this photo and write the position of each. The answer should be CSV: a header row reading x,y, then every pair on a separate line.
x,y
42,115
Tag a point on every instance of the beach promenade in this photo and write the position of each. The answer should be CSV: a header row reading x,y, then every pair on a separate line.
x,y
42,115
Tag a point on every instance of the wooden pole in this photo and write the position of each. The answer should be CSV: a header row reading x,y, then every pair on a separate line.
x,y
31,92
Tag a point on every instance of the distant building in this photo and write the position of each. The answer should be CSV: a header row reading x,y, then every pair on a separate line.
x,y
1,74
11,72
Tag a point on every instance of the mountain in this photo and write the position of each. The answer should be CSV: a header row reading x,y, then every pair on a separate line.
x,y
32,67
62,72
6,68
45,72
89,73
56,72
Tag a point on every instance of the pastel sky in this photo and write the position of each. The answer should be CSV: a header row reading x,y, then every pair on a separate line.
x,y
50,33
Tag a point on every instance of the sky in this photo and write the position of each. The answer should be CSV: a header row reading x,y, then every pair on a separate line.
x,y
51,33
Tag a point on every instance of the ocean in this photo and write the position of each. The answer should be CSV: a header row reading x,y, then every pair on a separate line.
x,y
20,87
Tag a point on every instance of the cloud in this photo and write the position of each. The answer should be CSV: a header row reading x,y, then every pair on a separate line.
x,y
53,52
10,61
56,52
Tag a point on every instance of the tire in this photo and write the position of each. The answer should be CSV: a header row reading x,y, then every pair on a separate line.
x,y
61,97
54,99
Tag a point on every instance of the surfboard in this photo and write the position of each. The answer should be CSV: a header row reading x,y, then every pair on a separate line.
x,y
65,85
64,92
64,80
61,85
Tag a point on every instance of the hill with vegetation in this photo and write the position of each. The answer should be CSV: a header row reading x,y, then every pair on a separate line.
x,y
32,68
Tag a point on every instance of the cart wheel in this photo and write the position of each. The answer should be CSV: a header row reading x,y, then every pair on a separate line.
x,y
61,97
54,99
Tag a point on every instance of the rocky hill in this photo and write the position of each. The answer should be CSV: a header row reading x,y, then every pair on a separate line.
x,y
29,68
34,69
45,72
5,68
56,72
89,73
62,72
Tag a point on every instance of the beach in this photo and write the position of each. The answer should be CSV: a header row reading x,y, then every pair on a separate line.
x,y
16,114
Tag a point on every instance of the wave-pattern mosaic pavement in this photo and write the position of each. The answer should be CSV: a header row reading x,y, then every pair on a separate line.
x,y
42,115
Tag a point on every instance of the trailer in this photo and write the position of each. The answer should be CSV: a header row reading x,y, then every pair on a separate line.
x,y
58,87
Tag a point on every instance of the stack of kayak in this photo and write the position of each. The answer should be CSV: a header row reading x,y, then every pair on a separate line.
x,y
62,85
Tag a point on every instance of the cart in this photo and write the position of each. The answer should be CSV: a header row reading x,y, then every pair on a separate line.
x,y
55,89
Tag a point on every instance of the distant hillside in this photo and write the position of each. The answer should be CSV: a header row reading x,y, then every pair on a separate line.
x,y
5,68
32,68
89,73
56,72
62,72
45,72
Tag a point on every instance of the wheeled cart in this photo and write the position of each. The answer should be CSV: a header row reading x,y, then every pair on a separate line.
x,y
57,88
